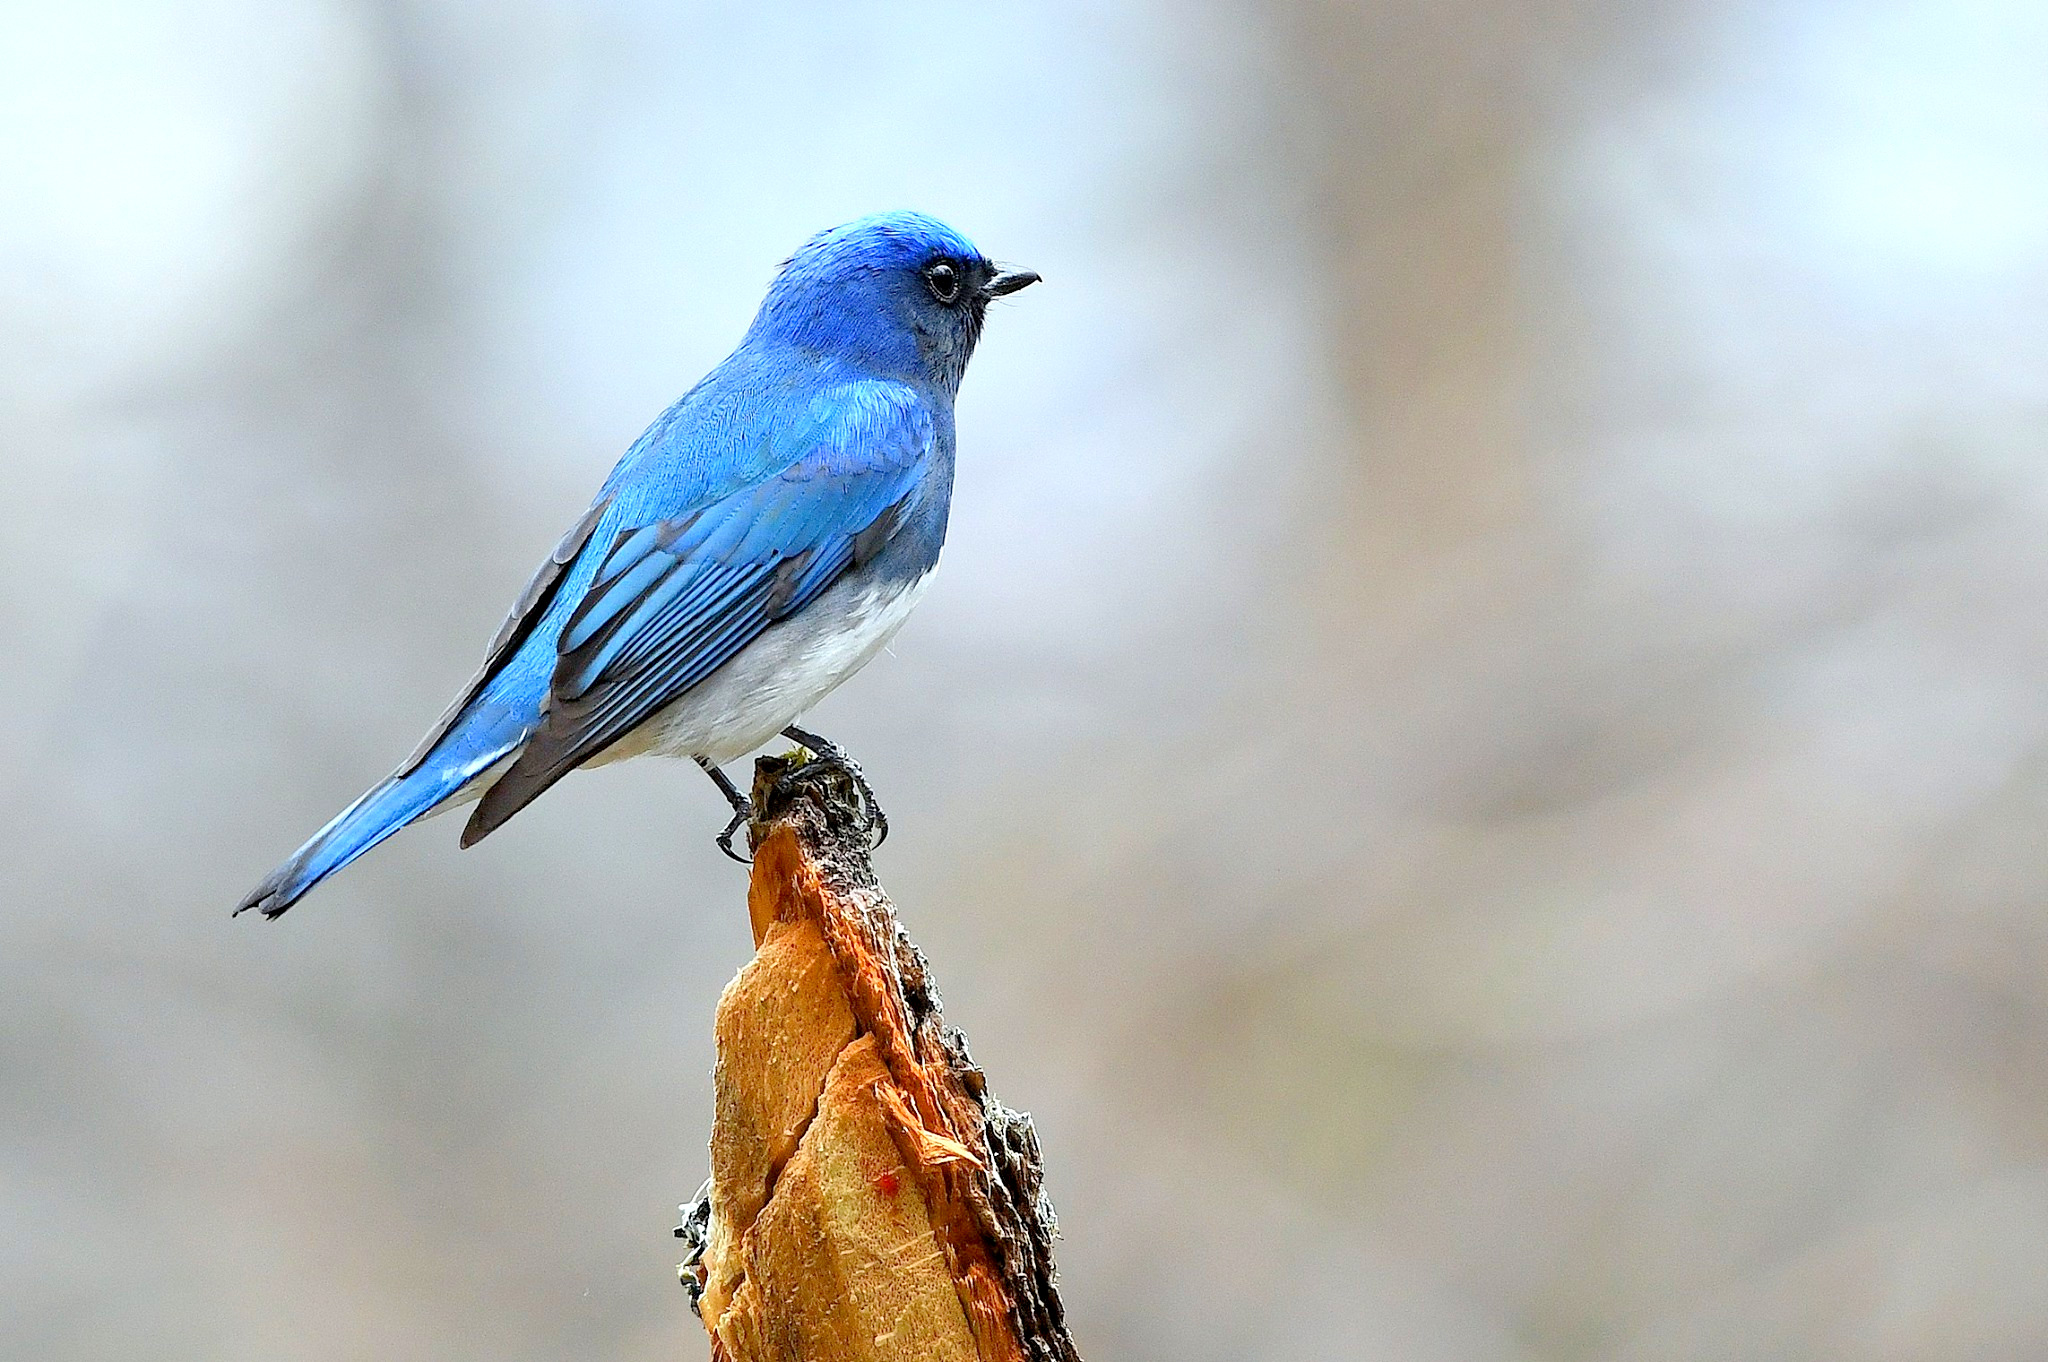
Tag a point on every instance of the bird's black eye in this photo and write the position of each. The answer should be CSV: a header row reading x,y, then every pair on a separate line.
x,y
943,280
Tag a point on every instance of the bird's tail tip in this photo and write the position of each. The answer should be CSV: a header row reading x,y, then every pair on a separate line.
x,y
280,889
381,811
268,899
375,816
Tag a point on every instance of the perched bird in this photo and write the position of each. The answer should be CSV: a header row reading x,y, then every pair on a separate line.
x,y
753,549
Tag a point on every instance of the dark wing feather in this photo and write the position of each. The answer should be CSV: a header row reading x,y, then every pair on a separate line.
x,y
526,613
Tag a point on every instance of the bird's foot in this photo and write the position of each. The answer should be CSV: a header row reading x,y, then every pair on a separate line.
x,y
824,749
724,838
742,810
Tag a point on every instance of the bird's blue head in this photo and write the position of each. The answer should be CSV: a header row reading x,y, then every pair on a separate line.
x,y
897,294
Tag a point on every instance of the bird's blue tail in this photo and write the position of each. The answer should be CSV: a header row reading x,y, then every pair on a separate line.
x,y
460,757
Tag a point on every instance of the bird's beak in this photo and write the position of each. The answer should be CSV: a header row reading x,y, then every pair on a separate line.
x,y
1008,282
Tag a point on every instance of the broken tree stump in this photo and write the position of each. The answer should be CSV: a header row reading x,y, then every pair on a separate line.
x,y
868,1198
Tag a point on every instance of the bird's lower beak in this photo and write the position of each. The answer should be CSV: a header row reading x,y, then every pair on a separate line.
x,y
1009,281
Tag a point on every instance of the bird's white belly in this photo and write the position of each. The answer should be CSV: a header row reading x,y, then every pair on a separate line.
x,y
776,678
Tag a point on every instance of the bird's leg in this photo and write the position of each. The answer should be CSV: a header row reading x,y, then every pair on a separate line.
x,y
742,809
827,750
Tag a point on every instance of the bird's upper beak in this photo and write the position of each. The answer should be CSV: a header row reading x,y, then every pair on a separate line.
x,y
1009,281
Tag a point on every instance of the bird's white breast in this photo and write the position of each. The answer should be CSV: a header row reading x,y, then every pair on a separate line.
x,y
770,683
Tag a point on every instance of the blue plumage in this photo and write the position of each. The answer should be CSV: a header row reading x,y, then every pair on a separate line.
x,y
753,548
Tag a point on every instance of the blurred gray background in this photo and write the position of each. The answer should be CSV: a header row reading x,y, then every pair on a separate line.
x,y
1478,759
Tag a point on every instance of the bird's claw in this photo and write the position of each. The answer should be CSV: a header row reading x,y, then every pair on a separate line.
x,y
724,839
824,749
742,810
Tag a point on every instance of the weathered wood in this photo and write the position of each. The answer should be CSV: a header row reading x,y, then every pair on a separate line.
x,y
869,1199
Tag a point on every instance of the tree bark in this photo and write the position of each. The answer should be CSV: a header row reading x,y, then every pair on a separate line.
x,y
868,1198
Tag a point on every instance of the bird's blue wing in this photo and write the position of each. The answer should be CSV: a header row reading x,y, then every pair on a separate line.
x,y
674,598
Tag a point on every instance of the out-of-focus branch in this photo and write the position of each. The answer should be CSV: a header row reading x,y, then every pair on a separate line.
x,y
869,1199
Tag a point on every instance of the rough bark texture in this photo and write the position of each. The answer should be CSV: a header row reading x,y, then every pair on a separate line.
x,y
869,1199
